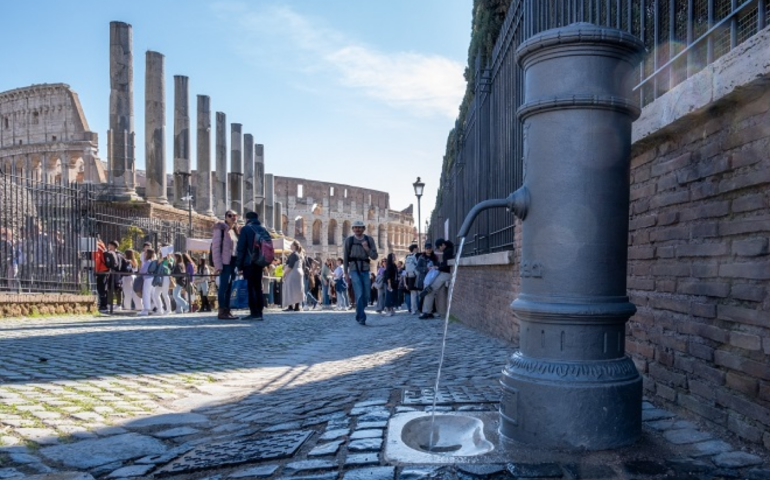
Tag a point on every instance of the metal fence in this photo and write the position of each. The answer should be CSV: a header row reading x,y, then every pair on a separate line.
x,y
47,233
681,36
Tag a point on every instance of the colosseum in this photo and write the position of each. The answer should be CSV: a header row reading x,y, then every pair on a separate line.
x,y
319,215
44,136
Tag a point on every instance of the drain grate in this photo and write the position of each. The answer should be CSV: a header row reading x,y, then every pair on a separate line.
x,y
237,452
450,395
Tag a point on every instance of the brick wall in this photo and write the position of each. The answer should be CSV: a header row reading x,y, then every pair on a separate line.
x,y
699,265
485,290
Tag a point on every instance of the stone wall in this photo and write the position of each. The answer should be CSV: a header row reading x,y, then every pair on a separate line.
x,y
12,305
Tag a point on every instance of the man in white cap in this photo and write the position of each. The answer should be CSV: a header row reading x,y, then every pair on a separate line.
x,y
359,250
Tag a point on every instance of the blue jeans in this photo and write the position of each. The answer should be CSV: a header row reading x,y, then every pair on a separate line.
x,y
226,277
342,293
325,293
362,284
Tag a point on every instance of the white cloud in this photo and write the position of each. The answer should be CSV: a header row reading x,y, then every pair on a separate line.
x,y
420,84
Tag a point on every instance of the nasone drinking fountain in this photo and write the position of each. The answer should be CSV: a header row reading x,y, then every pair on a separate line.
x,y
570,386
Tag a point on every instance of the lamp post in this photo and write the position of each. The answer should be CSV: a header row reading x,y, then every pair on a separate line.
x,y
189,199
418,188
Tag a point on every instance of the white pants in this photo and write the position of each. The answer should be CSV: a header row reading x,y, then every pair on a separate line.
x,y
415,301
129,294
159,293
147,291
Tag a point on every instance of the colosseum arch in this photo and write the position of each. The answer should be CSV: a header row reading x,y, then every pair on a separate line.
x,y
299,227
382,241
332,240
317,232
346,229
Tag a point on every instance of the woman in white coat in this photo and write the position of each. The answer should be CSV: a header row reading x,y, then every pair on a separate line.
x,y
293,279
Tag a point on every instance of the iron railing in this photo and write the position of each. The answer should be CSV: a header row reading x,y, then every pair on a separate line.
x,y
47,232
681,37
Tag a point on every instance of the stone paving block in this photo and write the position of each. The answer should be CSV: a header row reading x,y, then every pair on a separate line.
x,y
375,416
43,436
758,474
334,434
372,433
365,445
10,473
369,403
362,459
590,471
167,419
262,471
481,470
321,476
365,425
373,473
176,432
131,471
92,453
535,470
736,460
305,465
325,449
61,476
283,426
644,467
23,458
709,447
686,435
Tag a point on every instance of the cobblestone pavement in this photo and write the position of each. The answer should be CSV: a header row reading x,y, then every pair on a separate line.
x,y
304,395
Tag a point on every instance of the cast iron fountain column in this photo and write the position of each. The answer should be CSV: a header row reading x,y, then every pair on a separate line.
x,y
570,385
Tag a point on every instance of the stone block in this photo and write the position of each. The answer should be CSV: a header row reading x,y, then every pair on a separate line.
x,y
707,289
704,230
746,341
744,407
755,224
741,383
703,169
746,291
666,199
749,270
752,247
749,203
746,316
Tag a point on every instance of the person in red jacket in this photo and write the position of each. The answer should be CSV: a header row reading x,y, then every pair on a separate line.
x,y
101,270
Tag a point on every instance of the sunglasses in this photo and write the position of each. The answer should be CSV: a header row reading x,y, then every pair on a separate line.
x,y
232,216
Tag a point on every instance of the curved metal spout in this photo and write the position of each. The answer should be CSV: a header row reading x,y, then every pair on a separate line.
x,y
517,202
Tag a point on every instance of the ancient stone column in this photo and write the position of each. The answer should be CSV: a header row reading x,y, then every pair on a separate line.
x,y
259,179
236,169
220,172
120,137
248,174
181,141
269,202
278,209
203,190
155,128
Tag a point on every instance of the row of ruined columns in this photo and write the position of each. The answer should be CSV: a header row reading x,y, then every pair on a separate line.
x,y
245,188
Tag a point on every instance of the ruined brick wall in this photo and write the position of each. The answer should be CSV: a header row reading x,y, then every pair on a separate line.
x,y
699,266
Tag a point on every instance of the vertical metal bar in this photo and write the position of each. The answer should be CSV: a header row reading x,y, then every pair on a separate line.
x,y
710,39
761,14
671,41
690,37
733,24
655,43
643,36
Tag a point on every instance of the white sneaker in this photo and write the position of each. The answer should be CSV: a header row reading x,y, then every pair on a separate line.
x,y
143,313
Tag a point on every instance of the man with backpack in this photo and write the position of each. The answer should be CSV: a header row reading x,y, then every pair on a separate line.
x,y
253,254
359,250
410,272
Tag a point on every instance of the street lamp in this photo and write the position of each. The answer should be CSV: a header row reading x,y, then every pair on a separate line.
x,y
189,199
418,188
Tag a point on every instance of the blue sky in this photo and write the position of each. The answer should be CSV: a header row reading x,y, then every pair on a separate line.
x,y
360,92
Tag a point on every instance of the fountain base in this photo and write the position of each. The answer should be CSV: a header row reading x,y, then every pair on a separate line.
x,y
454,437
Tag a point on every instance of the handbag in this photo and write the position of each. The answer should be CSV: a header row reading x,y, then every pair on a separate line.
x,y
138,284
430,277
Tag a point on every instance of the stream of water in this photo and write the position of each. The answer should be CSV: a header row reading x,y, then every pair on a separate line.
x,y
433,433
